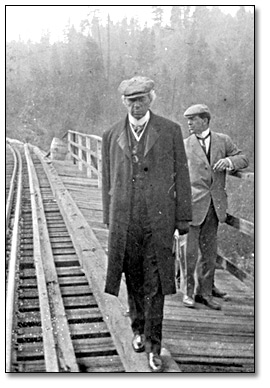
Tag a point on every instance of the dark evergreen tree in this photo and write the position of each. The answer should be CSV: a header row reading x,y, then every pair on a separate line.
x,y
202,55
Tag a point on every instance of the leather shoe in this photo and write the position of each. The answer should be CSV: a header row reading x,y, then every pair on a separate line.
x,y
155,362
138,342
217,293
207,301
188,301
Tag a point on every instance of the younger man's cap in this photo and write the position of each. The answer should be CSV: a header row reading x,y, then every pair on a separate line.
x,y
136,87
197,109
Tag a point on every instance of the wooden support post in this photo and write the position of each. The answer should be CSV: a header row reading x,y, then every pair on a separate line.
x,y
88,156
73,147
99,164
69,144
80,151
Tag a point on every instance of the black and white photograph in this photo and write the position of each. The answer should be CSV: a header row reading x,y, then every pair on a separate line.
x,y
130,190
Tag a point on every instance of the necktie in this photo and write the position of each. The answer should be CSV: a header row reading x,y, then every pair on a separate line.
x,y
203,142
138,129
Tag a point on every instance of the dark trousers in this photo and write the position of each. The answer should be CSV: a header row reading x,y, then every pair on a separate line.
x,y
200,268
145,298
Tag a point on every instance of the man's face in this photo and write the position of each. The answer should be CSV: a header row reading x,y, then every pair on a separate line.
x,y
196,124
138,106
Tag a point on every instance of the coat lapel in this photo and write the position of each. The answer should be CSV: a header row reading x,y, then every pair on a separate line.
x,y
123,140
197,149
214,147
153,133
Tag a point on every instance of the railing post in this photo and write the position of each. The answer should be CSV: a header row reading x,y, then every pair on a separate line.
x,y
88,156
80,152
99,163
69,144
74,148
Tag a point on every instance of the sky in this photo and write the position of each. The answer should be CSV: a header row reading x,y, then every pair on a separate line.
x,y
30,22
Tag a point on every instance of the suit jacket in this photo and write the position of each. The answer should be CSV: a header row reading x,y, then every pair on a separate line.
x,y
167,192
205,183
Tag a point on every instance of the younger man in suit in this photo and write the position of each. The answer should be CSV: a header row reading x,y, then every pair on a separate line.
x,y
209,155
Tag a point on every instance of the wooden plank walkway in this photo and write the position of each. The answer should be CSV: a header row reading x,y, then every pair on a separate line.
x,y
200,339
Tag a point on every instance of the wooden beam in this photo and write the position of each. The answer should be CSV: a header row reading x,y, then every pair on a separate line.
x,y
64,347
229,266
242,175
242,225
49,347
12,264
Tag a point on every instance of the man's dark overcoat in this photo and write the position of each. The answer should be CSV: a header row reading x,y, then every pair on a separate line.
x,y
167,193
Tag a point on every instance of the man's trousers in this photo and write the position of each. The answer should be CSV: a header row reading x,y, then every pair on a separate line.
x,y
200,266
145,298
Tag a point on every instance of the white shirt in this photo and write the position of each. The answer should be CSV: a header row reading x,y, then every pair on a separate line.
x,y
206,141
143,120
207,144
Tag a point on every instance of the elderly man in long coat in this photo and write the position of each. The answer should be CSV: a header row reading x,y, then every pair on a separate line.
x,y
146,196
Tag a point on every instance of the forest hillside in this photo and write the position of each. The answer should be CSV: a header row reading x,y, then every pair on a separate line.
x,y
200,56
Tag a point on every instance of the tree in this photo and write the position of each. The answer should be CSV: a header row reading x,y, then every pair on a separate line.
x,y
157,14
202,55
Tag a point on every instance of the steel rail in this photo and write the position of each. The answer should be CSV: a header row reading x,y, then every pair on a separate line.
x,y
50,353
12,184
10,294
63,344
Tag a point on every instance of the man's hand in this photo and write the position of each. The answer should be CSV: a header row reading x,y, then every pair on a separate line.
x,y
183,227
221,165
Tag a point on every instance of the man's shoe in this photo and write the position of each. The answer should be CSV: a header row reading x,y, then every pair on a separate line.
x,y
155,362
188,301
217,293
138,342
207,301
198,299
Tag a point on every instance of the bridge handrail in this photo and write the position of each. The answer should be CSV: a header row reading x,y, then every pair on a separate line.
x,y
86,150
241,224
242,175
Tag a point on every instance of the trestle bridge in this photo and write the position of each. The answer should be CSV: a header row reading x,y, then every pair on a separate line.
x,y
58,318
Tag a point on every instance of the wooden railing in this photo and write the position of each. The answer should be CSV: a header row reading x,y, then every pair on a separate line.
x,y
85,150
243,226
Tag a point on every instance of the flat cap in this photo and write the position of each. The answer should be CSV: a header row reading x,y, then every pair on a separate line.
x,y
197,109
136,86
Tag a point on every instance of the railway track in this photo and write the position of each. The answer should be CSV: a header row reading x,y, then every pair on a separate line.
x,y
54,323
